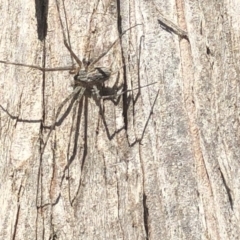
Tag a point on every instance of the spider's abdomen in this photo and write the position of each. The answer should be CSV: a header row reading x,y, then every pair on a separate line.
x,y
94,77
99,74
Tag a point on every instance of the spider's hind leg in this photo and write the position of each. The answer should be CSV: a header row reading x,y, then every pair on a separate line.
x,y
77,91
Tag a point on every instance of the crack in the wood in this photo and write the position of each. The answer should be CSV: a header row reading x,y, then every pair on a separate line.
x,y
228,190
125,98
145,215
17,215
41,8
120,224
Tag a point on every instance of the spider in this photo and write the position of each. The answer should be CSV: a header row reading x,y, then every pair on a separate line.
x,y
87,78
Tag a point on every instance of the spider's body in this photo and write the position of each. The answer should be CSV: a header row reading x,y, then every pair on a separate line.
x,y
92,79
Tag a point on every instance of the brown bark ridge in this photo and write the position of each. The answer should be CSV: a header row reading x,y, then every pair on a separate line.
x,y
159,162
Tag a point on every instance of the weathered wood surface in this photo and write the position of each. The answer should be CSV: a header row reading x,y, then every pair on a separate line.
x,y
143,169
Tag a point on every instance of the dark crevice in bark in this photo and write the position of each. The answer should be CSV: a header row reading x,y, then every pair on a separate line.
x,y
228,190
17,216
43,100
125,98
146,215
41,7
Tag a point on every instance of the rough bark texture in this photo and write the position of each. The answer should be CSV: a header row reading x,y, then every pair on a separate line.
x,y
161,162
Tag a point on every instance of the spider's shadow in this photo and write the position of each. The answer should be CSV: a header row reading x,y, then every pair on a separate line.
x,y
127,100
81,108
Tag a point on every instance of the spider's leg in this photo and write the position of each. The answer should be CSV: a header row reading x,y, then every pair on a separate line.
x,y
72,53
78,90
64,36
37,67
109,48
129,90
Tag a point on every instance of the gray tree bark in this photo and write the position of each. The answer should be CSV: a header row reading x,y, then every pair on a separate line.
x,y
159,162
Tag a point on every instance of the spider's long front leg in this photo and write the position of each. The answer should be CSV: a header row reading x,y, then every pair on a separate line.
x,y
129,90
78,90
68,68
72,53
109,48
65,38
